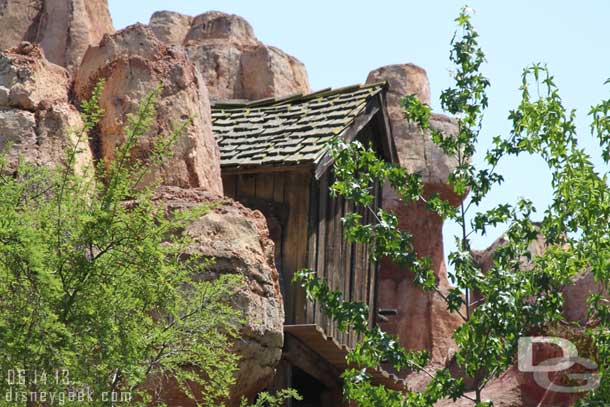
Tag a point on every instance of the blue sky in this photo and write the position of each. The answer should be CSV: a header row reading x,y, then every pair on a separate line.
x,y
340,41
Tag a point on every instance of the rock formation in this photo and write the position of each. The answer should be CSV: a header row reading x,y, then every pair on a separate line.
x,y
234,64
133,62
238,240
170,27
35,114
423,321
63,28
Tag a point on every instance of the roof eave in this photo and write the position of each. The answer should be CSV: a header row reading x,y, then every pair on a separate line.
x,y
306,166
373,108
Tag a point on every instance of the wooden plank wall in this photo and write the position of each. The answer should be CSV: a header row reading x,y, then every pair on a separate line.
x,y
290,189
343,265
312,236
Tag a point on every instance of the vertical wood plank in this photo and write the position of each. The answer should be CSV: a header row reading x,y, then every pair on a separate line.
x,y
264,186
312,242
346,272
338,255
229,185
322,236
278,187
331,252
296,194
246,186
357,271
374,266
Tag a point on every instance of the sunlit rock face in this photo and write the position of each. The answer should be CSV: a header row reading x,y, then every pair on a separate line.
x,y
36,118
132,62
237,238
63,28
232,61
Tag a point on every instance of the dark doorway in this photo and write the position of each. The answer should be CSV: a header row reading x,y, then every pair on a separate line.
x,y
308,387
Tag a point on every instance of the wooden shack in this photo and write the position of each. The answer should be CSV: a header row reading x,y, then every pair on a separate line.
x,y
274,158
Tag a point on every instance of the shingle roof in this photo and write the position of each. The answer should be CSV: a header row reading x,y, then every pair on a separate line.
x,y
288,131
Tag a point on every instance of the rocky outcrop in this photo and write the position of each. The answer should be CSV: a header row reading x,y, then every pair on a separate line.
x,y
234,64
63,28
36,117
416,151
170,27
576,295
238,240
133,62
422,321
268,71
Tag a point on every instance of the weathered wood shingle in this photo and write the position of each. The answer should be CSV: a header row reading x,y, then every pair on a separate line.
x,y
289,131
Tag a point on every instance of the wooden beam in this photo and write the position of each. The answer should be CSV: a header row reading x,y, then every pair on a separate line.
x,y
307,167
301,356
387,139
334,353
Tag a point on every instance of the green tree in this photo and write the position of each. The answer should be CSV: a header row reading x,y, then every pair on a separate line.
x,y
516,301
97,288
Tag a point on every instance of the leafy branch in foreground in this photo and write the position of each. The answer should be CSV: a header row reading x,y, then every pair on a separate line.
x,y
515,301
96,281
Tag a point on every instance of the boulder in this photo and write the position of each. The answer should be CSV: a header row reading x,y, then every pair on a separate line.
x,y
268,71
170,27
220,66
215,25
28,79
133,62
64,28
36,117
403,80
238,240
233,63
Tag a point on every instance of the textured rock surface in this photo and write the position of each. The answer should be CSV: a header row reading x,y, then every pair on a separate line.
x,y
234,64
268,71
64,28
133,62
35,114
423,321
575,297
416,151
170,27
238,239
403,79
215,25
